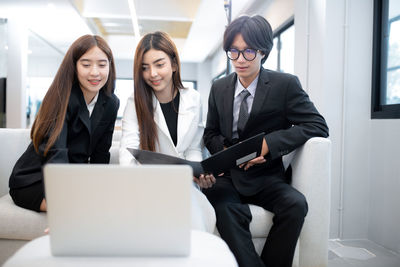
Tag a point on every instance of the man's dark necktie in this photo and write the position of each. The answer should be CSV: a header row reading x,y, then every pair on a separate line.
x,y
243,112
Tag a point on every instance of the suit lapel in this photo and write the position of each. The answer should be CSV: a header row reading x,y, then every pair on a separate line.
x,y
262,91
84,117
229,93
98,110
83,113
185,116
160,119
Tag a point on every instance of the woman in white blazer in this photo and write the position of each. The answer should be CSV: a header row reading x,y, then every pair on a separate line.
x,y
190,128
165,117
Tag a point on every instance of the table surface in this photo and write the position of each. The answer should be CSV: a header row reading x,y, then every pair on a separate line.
x,y
206,250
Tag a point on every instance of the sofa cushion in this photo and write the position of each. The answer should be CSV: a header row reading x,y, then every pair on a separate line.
x,y
261,221
260,224
19,223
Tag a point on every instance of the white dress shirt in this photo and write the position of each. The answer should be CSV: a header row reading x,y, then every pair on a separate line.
x,y
238,99
92,103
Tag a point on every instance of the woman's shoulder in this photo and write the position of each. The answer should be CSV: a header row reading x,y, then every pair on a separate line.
x,y
75,103
190,93
131,100
114,99
190,98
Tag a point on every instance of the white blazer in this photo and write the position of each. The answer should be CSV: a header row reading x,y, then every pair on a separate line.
x,y
190,129
189,144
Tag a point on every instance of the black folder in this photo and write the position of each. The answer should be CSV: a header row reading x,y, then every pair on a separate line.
x,y
220,162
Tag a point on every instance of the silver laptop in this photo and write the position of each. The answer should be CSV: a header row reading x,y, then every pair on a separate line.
x,y
112,210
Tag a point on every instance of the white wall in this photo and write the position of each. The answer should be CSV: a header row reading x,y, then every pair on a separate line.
x,y
124,68
204,77
334,62
334,56
3,48
208,70
384,215
278,11
189,71
43,66
333,108
357,125
16,73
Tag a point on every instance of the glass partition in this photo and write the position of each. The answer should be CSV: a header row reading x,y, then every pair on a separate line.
x,y
43,63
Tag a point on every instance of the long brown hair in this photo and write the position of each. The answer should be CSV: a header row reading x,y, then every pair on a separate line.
x,y
144,93
51,115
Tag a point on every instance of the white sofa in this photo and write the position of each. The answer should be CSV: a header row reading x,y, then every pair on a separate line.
x,y
311,176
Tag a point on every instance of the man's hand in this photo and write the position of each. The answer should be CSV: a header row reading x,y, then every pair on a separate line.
x,y
258,160
205,181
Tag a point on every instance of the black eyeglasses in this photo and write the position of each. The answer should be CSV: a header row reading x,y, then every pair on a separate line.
x,y
249,54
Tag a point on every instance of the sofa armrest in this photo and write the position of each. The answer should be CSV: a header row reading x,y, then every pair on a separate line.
x,y
311,175
114,150
13,143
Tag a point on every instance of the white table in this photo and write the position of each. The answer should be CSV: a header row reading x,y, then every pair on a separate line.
x,y
206,250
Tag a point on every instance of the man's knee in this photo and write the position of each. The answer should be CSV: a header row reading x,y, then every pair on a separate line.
x,y
299,208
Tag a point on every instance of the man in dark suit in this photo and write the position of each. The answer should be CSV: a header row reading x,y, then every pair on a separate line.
x,y
247,102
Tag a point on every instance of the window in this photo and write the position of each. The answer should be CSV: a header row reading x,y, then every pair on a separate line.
x,y
272,61
281,57
36,90
385,102
43,61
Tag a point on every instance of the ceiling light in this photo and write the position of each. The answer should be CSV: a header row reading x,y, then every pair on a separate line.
x,y
135,23
111,24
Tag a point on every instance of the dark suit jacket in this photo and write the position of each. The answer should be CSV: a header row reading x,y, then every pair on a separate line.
x,y
280,108
82,139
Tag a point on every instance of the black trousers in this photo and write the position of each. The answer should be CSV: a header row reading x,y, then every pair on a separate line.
x,y
233,218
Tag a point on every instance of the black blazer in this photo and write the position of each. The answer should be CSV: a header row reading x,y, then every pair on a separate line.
x,y
280,108
82,139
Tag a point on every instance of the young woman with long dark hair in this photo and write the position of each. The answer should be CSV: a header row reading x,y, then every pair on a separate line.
x,y
75,122
165,117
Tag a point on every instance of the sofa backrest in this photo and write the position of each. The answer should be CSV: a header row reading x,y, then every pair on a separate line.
x,y
13,142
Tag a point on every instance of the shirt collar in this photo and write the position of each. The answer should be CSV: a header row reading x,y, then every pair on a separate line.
x,y
93,102
251,88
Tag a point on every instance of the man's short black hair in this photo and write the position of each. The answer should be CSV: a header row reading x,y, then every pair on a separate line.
x,y
255,30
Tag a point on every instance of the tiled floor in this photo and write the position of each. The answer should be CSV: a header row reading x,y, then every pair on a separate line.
x,y
360,253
